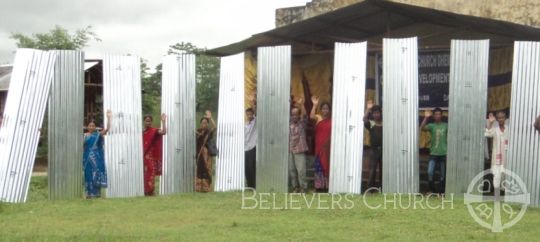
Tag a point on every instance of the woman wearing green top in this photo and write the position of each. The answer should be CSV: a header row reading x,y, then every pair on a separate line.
x,y
439,131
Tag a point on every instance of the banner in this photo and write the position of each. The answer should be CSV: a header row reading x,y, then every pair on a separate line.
x,y
433,76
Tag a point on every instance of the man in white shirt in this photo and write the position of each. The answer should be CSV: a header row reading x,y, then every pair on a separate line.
x,y
500,135
250,143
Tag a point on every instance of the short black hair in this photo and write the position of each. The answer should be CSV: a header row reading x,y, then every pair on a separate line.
x,y
500,112
204,118
376,108
437,110
327,104
250,110
92,121
148,116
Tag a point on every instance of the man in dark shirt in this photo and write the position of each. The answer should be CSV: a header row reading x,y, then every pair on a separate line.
x,y
376,136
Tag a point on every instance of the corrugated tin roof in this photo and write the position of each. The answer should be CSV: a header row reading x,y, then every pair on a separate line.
x,y
373,19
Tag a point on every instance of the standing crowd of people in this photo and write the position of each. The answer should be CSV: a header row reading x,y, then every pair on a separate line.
x,y
320,115
95,174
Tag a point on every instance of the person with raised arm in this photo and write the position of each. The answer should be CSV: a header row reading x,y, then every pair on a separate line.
x,y
95,174
323,135
152,152
500,135
203,180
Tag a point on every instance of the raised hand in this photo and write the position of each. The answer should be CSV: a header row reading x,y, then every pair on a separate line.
x,y
491,118
315,100
251,97
109,113
208,114
163,117
300,101
370,104
428,113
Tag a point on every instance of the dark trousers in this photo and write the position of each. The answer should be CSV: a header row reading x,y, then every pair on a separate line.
x,y
250,167
374,162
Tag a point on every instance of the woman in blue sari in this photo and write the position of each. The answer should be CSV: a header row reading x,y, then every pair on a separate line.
x,y
95,175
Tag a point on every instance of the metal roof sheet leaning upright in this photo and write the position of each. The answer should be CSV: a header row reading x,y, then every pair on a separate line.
x,y
466,117
347,113
65,171
230,130
524,144
23,116
123,143
179,145
400,116
273,95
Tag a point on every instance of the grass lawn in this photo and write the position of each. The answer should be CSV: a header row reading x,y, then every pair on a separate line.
x,y
219,217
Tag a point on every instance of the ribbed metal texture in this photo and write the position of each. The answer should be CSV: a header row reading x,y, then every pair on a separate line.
x,y
179,145
273,101
400,115
524,144
230,132
123,143
347,113
23,116
65,145
467,107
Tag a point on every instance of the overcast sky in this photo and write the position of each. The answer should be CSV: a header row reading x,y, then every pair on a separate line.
x,y
144,28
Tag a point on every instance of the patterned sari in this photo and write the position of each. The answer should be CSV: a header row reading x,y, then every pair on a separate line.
x,y
152,148
95,175
203,180
322,153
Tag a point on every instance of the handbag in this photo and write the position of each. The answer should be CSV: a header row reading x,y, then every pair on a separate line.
x,y
212,147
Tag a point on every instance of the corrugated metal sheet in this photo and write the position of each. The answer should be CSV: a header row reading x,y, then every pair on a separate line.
x,y
400,115
347,113
123,143
23,116
524,143
273,102
466,115
179,145
230,130
65,144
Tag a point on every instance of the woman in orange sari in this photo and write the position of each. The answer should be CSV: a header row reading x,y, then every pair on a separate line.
x,y
323,130
152,148
203,180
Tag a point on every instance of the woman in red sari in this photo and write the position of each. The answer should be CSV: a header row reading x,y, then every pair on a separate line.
x,y
323,130
152,146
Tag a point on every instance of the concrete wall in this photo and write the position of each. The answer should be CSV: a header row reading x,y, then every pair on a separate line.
x,y
525,12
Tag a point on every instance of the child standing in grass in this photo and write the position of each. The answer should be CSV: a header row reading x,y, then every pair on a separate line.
x,y
375,129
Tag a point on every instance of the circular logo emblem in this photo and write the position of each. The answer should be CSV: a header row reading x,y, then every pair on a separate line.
x,y
489,206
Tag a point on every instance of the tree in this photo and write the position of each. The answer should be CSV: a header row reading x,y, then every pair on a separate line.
x,y
207,88
151,91
56,39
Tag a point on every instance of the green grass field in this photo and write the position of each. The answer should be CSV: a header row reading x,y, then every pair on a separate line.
x,y
219,217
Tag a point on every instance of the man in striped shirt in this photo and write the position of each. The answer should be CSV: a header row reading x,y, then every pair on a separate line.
x,y
297,148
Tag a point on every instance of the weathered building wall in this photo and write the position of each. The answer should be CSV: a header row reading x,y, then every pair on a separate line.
x,y
525,12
